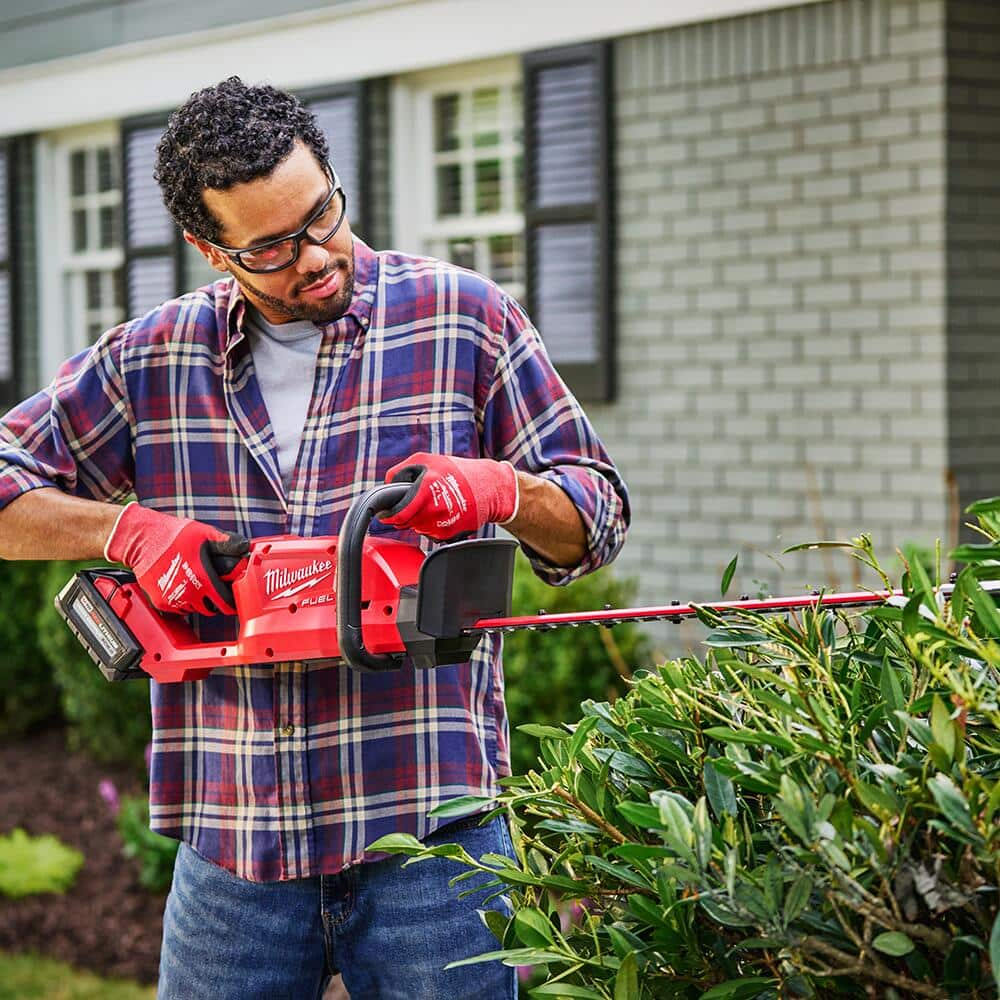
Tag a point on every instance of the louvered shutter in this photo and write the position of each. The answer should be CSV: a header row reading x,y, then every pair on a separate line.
x,y
340,112
568,212
151,247
7,378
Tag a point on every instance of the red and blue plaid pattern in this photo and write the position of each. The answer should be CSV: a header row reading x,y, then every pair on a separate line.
x,y
289,770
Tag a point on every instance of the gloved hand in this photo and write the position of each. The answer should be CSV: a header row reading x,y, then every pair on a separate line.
x,y
452,496
172,558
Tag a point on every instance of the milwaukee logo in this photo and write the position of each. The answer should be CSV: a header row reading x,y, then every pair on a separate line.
x,y
293,581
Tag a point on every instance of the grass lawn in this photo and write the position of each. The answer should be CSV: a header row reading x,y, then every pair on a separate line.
x,y
27,977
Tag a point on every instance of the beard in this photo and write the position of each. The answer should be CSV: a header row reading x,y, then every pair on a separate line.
x,y
296,308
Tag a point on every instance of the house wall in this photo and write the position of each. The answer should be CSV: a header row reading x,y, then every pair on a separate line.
x,y
780,292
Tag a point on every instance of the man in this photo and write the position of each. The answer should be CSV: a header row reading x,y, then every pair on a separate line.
x,y
264,404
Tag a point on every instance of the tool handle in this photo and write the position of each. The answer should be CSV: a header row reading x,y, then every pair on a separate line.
x,y
350,549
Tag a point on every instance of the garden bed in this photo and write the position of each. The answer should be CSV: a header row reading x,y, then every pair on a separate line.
x,y
106,922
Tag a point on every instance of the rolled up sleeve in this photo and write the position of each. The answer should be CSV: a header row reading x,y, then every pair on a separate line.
x,y
74,435
532,420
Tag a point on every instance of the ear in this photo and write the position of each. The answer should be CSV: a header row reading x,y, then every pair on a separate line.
x,y
216,258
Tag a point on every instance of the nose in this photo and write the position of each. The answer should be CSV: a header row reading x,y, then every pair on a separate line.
x,y
313,257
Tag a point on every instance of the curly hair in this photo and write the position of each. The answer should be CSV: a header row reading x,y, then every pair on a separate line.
x,y
224,135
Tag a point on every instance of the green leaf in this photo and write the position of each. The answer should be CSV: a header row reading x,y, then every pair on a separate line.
x,y
892,690
627,979
496,923
31,865
951,802
975,552
727,576
988,505
720,791
565,990
995,949
797,898
397,843
641,814
802,546
544,732
621,873
464,805
942,727
893,943
533,928
750,737
736,638
512,956
740,989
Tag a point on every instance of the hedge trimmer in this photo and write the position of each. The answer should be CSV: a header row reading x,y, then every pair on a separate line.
x,y
369,602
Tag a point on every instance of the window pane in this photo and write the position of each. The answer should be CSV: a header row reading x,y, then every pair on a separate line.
x,y
93,289
105,170
485,117
506,260
446,134
462,252
449,190
519,183
78,172
108,219
94,330
487,186
80,229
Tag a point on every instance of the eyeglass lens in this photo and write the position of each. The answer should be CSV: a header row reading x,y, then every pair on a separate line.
x,y
320,229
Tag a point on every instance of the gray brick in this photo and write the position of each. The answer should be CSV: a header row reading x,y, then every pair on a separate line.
x,y
827,134
798,164
887,127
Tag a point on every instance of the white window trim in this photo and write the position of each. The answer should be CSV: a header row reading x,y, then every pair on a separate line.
x,y
412,167
57,341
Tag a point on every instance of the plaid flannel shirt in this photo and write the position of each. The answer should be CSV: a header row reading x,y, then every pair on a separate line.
x,y
289,770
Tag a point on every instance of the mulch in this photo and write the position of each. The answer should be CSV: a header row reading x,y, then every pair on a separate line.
x,y
107,922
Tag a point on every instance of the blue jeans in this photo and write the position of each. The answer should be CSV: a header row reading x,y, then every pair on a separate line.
x,y
388,930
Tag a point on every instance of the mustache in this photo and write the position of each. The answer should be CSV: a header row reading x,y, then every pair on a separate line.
x,y
311,279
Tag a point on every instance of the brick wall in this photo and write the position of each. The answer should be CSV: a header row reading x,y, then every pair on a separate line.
x,y
781,292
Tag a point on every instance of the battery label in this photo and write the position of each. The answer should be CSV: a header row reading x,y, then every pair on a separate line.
x,y
90,619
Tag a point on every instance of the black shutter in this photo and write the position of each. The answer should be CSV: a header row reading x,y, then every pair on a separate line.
x,y
569,212
8,379
341,113
151,240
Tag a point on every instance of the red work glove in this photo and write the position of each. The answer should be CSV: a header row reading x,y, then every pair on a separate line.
x,y
452,496
172,558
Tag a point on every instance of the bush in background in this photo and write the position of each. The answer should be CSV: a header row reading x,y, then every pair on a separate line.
x,y
111,722
548,674
29,696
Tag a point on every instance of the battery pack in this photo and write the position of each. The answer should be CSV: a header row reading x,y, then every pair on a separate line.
x,y
105,637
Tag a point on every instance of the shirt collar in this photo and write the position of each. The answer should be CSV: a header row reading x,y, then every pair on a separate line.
x,y
365,285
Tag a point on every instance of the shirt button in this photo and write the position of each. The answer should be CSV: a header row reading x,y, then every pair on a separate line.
x,y
288,730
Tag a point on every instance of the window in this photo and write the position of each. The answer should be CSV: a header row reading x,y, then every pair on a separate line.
x,y
466,182
86,227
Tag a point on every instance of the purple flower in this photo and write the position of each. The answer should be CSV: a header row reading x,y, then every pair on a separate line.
x,y
148,754
573,914
524,973
106,789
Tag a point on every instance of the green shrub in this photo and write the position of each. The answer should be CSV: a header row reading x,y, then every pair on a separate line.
x,y
548,674
111,722
813,810
31,865
28,692
156,853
